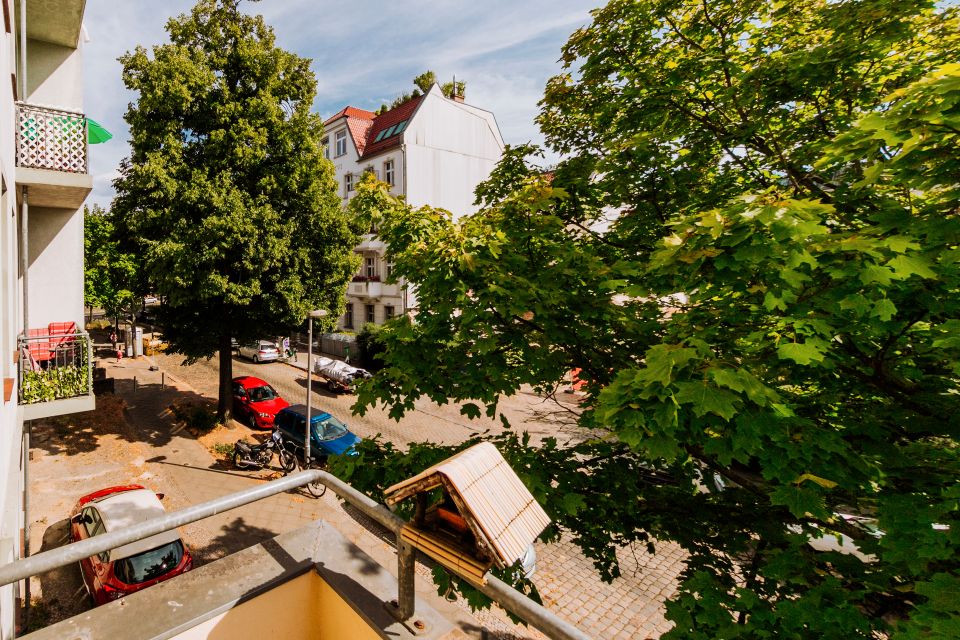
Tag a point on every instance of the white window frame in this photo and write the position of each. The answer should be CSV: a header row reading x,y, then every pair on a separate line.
x,y
326,147
341,141
388,172
370,266
348,183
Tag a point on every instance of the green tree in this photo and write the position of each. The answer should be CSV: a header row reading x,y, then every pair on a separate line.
x,y
109,275
751,254
423,83
227,195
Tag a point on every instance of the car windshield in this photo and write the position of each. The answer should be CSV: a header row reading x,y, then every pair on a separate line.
x,y
262,394
149,564
329,429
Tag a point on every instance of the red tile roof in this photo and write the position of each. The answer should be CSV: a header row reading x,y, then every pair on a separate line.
x,y
385,121
365,126
358,122
351,112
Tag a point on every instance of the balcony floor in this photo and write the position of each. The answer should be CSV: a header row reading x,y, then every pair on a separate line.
x,y
62,407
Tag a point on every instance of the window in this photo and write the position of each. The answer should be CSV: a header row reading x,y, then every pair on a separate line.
x,y
388,172
380,136
371,267
341,142
326,147
348,316
348,182
387,312
400,127
370,313
389,269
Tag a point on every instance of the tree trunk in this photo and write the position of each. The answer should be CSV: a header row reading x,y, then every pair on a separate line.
x,y
225,400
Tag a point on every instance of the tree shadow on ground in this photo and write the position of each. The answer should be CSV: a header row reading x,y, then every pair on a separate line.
x,y
233,537
319,388
142,413
62,592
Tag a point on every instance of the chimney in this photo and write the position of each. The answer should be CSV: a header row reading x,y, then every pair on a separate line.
x,y
456,96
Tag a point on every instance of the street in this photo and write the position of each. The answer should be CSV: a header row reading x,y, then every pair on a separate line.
x,y
133,438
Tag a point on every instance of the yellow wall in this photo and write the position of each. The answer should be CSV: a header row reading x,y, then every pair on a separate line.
x,y
305,608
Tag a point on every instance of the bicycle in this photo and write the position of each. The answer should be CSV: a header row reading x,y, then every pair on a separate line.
x,y
317,488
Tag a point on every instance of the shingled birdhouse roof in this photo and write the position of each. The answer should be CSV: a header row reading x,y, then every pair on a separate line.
x,y
500,511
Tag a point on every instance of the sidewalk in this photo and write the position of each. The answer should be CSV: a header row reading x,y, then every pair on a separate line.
x,y
137,441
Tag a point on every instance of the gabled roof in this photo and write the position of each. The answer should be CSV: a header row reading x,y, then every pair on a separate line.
x,y
497,504
387,120
358,123
366,126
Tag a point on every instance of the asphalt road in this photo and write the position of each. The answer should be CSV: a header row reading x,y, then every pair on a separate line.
x,y
428,422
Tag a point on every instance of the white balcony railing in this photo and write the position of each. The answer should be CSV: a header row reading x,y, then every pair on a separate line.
x,y
51,139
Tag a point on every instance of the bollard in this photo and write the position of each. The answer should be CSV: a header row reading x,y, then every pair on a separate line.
x,y
163,380
134,384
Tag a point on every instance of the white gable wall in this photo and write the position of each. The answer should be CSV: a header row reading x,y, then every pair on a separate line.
x,y
450,149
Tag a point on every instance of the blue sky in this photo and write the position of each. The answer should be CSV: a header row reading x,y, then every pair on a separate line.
x,y
364,53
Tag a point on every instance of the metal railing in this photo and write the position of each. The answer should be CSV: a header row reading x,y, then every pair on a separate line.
x,y
500,592
54,366
51,139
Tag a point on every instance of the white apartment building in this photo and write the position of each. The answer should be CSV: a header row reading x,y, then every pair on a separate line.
x,y
432,150
45,179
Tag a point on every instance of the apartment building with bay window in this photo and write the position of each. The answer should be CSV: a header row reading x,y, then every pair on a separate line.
x,y
432,150
45,356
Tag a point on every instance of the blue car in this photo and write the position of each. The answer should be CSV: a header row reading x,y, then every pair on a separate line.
x,y
328,436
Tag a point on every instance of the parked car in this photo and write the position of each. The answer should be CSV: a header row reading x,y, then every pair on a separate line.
x,y
119,572
260,351
256,402
328,436
150,299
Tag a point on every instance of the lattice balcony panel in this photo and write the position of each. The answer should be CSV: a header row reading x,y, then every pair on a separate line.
x,y
51,139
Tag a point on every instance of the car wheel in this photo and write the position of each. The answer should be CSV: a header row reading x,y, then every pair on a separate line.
x,y
256,359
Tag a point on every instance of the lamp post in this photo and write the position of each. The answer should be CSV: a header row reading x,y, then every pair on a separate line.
x,y
316,313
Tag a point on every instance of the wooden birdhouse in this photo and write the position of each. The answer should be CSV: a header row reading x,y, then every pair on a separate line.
x,y
483,515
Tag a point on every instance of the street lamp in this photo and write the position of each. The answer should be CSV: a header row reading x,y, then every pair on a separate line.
x,y
316,313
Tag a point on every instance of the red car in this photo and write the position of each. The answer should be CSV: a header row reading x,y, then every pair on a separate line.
x,y
256,402
119,572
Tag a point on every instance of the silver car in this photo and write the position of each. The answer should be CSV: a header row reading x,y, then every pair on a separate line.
x,y
260,351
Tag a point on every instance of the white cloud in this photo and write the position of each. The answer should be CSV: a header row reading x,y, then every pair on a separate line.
x,y
364,53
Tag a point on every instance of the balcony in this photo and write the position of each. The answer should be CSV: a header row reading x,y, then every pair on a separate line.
x,y
309,583
55,372
52,156
371,287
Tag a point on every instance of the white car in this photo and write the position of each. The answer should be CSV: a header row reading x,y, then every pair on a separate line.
x,y
260,351
150,300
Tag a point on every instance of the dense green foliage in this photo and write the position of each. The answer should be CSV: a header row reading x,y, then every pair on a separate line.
x,y
751,251
233,208
109,272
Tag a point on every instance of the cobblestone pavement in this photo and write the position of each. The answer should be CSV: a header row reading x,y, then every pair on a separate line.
x,y
630,607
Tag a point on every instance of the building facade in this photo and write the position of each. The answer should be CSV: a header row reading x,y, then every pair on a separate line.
x,y
45,179
432,150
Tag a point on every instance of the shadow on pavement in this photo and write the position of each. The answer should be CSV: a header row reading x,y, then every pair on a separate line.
x,y
233,537
63,592
137,412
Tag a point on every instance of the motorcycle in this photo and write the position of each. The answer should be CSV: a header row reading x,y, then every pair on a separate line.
x,y
257,456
